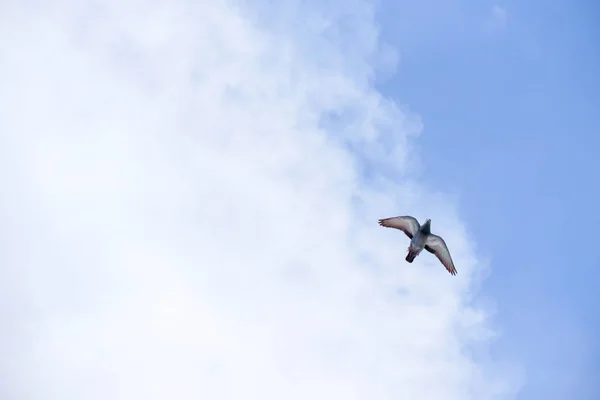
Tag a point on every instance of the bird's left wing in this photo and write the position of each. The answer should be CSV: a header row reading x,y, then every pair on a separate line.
x,y
436,245
409,225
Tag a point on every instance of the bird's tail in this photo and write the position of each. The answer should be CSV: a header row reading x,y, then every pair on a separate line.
x,y
410,257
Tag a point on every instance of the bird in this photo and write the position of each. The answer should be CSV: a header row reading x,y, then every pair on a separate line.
x,y
421,238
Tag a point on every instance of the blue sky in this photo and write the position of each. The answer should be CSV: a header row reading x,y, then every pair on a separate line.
x,y
510,112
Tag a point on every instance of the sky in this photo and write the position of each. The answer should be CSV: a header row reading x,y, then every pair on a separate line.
x,y
509,95
190,195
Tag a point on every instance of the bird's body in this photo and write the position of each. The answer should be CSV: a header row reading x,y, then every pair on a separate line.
x,y
421,238
417,244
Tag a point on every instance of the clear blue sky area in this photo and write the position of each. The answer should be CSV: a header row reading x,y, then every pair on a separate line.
x,y
510,101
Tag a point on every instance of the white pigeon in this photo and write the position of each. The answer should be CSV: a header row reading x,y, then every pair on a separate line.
x,y
421,238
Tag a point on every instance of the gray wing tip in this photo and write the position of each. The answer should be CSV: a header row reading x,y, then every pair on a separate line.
x,y
382,221
449,264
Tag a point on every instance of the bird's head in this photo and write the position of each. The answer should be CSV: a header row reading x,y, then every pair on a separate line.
x,y
426,228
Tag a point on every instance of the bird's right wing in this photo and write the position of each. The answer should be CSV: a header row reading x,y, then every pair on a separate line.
x,y
409,225
436,245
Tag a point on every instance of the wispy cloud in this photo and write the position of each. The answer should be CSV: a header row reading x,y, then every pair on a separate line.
x,y
498,18
178,222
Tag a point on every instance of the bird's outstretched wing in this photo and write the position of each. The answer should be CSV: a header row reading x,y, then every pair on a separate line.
x,y
436,245
406,224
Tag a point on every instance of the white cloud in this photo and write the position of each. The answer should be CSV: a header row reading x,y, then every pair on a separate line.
x,y
499,17
179,219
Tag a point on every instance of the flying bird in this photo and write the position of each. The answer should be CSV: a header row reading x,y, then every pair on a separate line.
x,y
421,238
